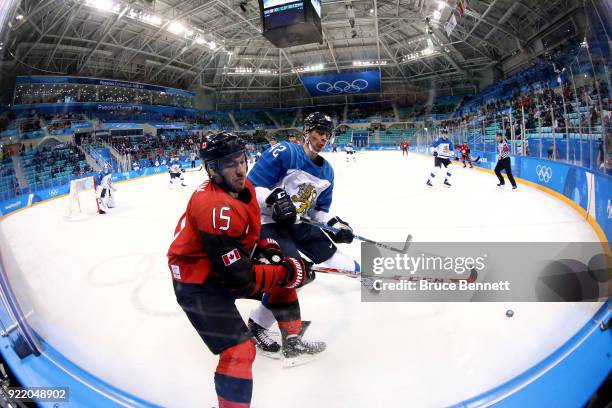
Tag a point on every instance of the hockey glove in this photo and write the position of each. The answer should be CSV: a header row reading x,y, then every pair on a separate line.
x,y
435,153
344,235
269,249
299,273
283,210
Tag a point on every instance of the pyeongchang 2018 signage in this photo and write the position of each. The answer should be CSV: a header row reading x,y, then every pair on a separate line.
x,y
346,83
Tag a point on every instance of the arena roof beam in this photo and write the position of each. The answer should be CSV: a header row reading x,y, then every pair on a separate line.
x,y
489,8
499,27
180,52
331,50
44,33
397,65
162,28
447,55
29,15
195,78
375,15
261,61
293,67
105,32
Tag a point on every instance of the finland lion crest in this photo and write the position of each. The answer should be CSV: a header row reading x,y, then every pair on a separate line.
x,y
305,197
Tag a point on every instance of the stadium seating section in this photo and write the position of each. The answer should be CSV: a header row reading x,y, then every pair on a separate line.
x,y
555,118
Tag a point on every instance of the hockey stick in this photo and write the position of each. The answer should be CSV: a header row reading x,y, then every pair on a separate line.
x,y
194,169
352,274
359,237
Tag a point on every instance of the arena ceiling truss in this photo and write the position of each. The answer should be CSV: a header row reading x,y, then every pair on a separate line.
x,y
217,45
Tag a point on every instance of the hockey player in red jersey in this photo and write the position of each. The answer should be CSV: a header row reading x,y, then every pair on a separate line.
x,y
464,149
211,266
405,146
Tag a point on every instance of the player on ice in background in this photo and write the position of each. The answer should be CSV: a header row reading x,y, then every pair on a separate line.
x,y
464,149
105,198
405,146
443,150
350,152
292,180
211,266
176,174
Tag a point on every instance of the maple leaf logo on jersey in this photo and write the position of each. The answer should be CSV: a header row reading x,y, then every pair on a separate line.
x,y
305,197
231,257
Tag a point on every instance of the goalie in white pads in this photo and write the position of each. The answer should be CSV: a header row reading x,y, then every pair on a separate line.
x,y
176,174
106,188
443,150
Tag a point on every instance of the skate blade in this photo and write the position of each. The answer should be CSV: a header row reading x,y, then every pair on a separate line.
x,y
301,360
270,354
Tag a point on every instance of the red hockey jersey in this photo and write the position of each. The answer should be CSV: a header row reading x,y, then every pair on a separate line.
x,y
212,210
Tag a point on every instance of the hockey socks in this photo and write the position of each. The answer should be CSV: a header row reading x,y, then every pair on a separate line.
x,y
234,377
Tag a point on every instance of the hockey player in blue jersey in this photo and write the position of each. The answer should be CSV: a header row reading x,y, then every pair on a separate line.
x,y
104,181
293,181
443,150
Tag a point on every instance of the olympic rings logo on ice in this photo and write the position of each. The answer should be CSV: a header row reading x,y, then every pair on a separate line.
x,y
340,87
544,173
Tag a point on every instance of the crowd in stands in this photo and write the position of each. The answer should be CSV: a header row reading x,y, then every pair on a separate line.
x,y
249,120
150,150
48,164
285,117
8,182
545,107
378,111
533,94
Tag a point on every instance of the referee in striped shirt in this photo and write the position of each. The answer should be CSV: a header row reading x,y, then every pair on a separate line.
x,y
503,162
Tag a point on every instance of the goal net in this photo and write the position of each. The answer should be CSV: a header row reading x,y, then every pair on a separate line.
x,y
82,199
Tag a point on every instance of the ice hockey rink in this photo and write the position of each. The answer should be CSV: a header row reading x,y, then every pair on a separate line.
x,y
102,294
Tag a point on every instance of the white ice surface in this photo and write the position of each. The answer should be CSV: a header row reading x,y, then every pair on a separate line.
x,y
102,294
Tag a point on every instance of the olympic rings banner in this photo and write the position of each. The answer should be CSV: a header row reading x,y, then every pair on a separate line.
x,y
346,83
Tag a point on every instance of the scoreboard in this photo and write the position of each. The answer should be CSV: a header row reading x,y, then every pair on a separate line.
x,y
288,22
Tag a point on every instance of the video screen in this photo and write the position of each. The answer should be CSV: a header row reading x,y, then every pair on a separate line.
x,y
279,13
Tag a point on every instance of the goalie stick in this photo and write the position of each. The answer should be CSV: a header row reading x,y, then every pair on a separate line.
x,y
359,237
352,274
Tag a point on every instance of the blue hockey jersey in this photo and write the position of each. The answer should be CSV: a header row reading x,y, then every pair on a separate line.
x,y
444,147
309,184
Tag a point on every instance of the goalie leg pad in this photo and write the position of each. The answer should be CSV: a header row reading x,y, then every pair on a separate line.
x,y
111,200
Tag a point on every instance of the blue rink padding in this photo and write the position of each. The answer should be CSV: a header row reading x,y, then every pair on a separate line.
x,y
566,378
566,179
52,369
